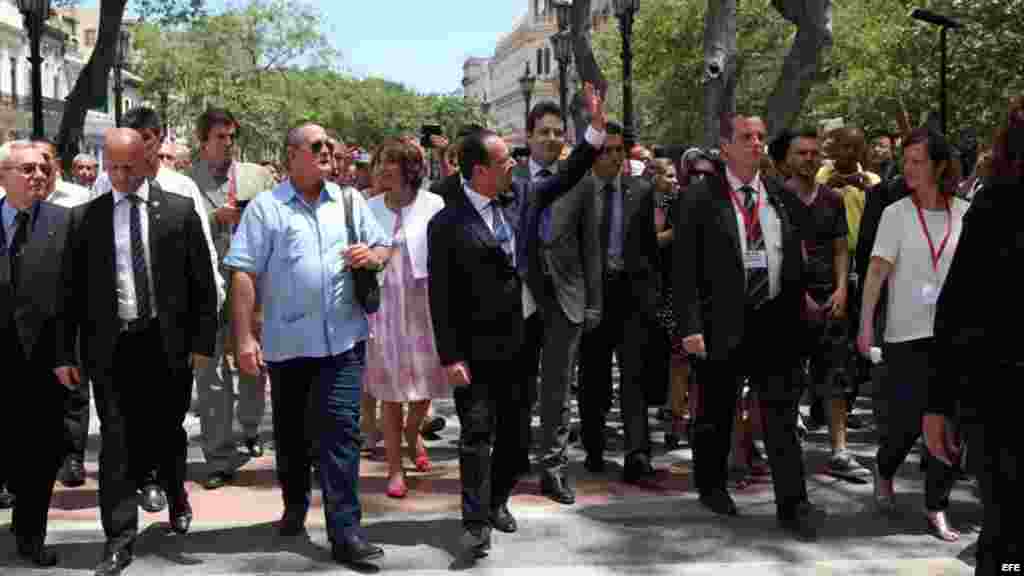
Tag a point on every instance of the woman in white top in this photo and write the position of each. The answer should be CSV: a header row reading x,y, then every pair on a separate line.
x,y
402,363
916,240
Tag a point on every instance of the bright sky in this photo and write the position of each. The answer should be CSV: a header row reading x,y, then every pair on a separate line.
x,y
420,43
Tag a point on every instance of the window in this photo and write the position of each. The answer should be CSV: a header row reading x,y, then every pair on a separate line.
x,y
56,86
547,61
540,62
90,37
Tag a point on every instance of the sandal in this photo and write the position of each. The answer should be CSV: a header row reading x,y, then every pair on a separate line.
x,y
939,527
397,489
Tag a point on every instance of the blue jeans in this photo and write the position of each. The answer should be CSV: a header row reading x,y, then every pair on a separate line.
x,y
337,382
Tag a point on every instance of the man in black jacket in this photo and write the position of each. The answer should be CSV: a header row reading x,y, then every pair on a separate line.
x,y
739,285
479,254
35,241
143,298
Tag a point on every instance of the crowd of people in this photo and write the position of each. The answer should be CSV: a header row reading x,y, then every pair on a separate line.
x,y
728,286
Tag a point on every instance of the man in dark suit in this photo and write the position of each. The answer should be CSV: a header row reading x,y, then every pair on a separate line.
x,y
626,301
567,277
479,250
739,288
142,295
34,246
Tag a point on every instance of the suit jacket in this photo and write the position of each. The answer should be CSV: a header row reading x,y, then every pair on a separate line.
x,y
639,245
186,297
475,290
572,256
34,303
709,288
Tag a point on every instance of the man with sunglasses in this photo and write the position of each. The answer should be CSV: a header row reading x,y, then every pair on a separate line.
x,y
35,237
296,249
225,186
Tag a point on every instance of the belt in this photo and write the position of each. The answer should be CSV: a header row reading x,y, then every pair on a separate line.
x,y
612,275
136,326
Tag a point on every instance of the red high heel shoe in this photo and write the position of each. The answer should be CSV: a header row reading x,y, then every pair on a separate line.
x,y
399,490
422,462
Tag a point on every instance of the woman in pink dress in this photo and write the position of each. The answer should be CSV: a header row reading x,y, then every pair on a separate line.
x,y
402,365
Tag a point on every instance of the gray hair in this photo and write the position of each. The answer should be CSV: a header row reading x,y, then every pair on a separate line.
x,y
83,157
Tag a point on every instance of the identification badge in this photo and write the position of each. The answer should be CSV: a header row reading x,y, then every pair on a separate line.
x,y
755,259
929,294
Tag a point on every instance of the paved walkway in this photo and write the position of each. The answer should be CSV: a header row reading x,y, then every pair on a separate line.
x,y
614,528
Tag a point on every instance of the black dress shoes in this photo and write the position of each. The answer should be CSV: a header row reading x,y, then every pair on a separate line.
x,y
292,524
152,499
74,472
355,550
6,499
181,516
42,556
218,480
477,541
254,446
719,502
556,487
637,467
803,522
114,563
502,520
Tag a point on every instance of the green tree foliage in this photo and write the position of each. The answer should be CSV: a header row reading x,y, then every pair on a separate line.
x,y
270,64
882,64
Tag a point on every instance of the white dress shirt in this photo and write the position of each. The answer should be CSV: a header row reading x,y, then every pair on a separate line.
x,y
485,208
771,228
535,169
127,305
69,195
182,185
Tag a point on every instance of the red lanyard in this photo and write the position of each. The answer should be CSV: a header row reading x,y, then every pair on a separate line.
x,y
931,245
749,220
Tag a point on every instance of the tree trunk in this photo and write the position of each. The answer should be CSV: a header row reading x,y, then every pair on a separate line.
x,y
90,89
586,66
813,19
719,68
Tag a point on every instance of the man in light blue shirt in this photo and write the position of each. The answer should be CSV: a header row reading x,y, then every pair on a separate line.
x,y
293,248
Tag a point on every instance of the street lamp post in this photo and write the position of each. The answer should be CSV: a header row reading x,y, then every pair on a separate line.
x,y
36,12
526,82
563,55
944,23
485,108
119,61
625,10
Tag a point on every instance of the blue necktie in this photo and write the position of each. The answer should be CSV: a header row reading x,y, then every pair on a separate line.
x,y
545,215
501,232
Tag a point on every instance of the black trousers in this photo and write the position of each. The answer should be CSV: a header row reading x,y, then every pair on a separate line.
x,y
491,450
762,359
912,366
993,444
32,466
625,335
142,402
76,420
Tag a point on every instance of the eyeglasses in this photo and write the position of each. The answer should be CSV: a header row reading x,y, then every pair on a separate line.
x,y
29,168
318,146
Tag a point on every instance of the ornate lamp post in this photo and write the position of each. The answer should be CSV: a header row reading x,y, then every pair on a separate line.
x,y
625,10
563,55
944,23
485,108
36,12
526,82
119,61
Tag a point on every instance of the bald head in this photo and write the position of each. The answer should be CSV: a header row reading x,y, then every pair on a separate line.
x,y
848,147
124,159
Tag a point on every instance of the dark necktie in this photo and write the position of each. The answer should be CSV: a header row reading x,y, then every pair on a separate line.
x,y
17,241
758,288
143,309
545,215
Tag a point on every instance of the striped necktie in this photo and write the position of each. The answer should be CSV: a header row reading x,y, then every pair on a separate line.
x,y
758,288
139,272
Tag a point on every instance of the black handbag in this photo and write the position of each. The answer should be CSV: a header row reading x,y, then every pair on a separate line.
x,y
366,282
